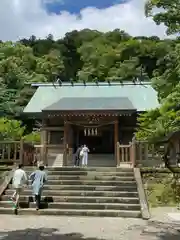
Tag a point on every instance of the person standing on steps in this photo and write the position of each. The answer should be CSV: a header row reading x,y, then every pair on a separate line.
x,y
19,180
38,179
84,154
77,156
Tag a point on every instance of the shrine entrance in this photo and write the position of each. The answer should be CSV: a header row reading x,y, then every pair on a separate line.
x,y
100,140
99,133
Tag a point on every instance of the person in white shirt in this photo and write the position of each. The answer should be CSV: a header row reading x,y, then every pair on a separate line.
x,y
18,182
84,154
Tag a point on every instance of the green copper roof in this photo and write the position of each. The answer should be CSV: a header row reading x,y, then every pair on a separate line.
x,y
97,103
142,97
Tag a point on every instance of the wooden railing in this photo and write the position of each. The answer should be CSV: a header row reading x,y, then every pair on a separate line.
x,y
147,153
10,151
134,153
125,154
14,152
138,153
42,151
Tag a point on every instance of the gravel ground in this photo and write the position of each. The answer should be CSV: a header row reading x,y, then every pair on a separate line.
x,y
160,227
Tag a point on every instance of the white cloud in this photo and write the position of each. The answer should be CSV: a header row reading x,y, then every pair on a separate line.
x,y
23,18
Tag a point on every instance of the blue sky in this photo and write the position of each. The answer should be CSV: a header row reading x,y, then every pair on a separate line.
x,y
75,6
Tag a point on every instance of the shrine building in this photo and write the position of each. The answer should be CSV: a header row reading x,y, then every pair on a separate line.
x,y
96,114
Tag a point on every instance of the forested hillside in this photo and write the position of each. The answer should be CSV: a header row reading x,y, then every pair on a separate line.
x,y
91,55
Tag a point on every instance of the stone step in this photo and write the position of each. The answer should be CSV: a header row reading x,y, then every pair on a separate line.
x,y
65,193
90,182
85,173
89,187
74,212
87,169
76,205
128,200
77,191
89,177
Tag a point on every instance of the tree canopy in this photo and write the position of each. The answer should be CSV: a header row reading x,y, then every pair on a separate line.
x,y
156,124
165,12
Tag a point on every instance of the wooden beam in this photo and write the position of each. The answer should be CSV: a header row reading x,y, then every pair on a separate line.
x,y
52,128
76,113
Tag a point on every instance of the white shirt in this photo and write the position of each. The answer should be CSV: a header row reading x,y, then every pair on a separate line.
x,y
85,149
19,178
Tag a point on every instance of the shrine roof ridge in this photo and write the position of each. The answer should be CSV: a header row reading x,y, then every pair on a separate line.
x,y
78,84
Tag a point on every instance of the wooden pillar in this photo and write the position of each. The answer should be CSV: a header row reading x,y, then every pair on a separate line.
x,y
45,160
77,137
21,151
66,141
133,153
44,139
116,138
70,136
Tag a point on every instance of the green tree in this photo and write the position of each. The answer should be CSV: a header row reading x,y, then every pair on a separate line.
x,y
19,67
11,129
168,14
156,124
167,75
34,137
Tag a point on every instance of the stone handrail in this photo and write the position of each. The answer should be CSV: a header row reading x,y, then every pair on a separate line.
x,y
7,177
142,195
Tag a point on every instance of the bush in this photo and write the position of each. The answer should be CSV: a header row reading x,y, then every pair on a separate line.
x,y
33,137
11,129
162,189
161,195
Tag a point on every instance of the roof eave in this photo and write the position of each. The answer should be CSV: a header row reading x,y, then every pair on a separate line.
x,y
116,83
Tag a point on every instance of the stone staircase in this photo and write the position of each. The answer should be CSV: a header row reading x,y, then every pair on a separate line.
x,y
107,192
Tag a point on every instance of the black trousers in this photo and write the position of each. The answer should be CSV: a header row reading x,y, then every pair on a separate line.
x,y
38,201
76,160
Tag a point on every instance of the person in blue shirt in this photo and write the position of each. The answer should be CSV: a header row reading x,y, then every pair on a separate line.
x,y
38,178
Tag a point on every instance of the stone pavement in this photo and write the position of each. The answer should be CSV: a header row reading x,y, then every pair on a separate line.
x,y
160,227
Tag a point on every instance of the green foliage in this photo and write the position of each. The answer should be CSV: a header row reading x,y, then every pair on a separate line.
x,y
19,66
167,76
33,137
156,124
146,121
11,129
169,13
161,189
161,194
